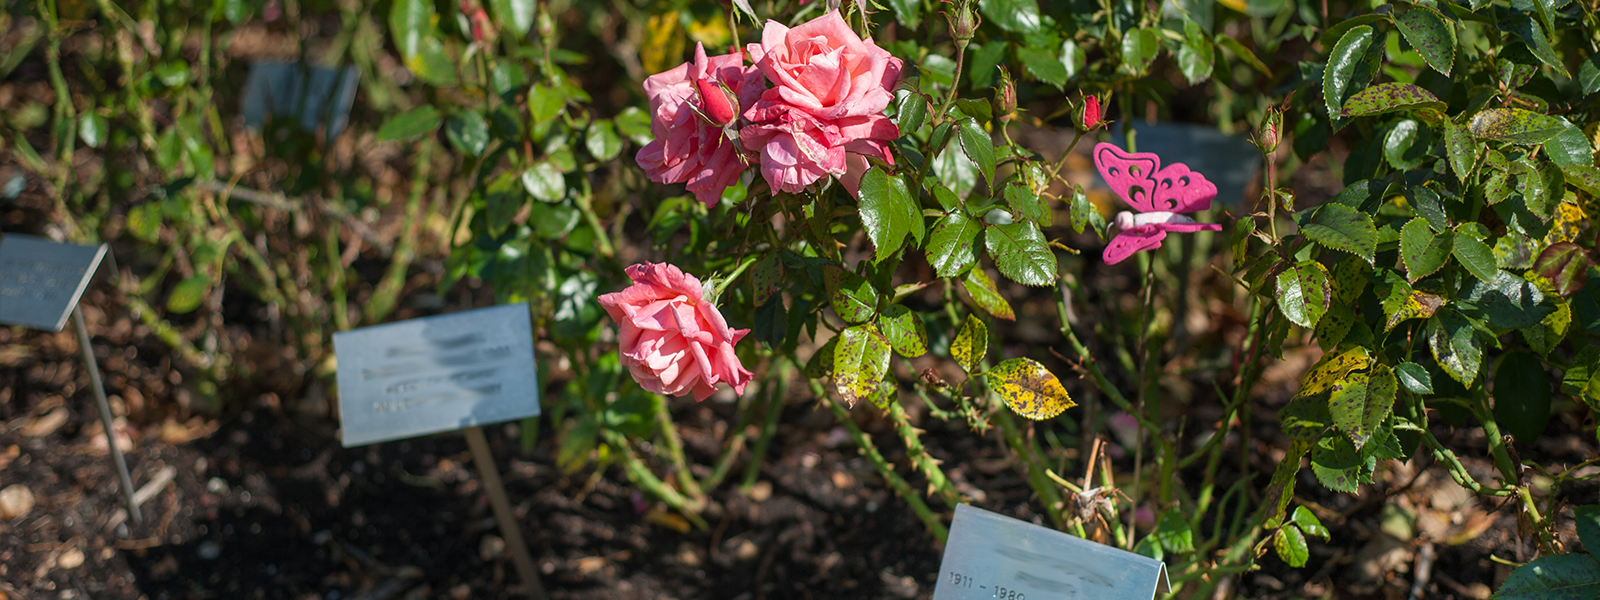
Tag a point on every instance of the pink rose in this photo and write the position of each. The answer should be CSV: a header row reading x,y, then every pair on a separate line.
x,y
829,91
688,149
672,340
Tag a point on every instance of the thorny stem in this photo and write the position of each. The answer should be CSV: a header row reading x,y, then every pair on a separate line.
x,y
639,474
920,459
769,428
674,444
1088,365
867,449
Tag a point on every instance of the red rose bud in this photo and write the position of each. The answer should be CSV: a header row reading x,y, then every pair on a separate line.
x,y
717,102
1005,96
1091,113
1271,132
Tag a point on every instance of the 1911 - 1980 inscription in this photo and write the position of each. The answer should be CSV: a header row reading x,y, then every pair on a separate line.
x,y
41,280
436,374
993,556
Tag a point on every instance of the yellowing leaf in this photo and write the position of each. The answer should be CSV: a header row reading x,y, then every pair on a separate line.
x,y
971,344
1029,389
859,363
1415,305
1565,224
1331,369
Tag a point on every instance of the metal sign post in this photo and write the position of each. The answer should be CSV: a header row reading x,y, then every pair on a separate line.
x,y
41,282
443,373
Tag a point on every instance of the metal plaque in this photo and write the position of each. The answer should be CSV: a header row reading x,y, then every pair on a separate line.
x,y
993,556
436,374
314,95
41,281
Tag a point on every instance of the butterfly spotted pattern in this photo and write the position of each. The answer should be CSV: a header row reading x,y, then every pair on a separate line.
x,y
1158,194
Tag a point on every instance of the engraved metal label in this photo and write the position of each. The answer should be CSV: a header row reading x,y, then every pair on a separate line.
x,y
994,556
41,281
436,374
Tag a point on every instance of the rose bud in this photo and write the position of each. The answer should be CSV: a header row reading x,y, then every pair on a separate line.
x,y
1005,96
964,22
717,102
1089,118
1271,132
546,24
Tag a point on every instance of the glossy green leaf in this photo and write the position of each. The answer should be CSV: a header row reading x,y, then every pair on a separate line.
x,y
1173,531
410,21
188,294
907,12
1522,396
1309,523
1072,59
92,129
1583,177
602,140
1523,26
1407,145
911,112
956,171
971,344
1566,265
888,212
1423,251
1515,125
1462,150
904,331
1337,464
1140,48
1332,369
1029,389
1452,339
1589,74
1305,418
1196,54
1557,577
1044,64
952,245
1475,255
1390,97
544,182
635,124
1414,378
545,102
410,124
852,297
513,16
468,132
1360,402
1588,525
977,145
1020,251
1509,302
1024,204
1343,62
1304,294
1570,148
1428,31
1342,228
1016,16
860,361
1290,545
986,296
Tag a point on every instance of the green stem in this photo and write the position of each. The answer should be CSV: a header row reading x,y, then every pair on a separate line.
x,y
674,444
639,474
769,428
1036,472
388,290
920,459
1087,362
864,444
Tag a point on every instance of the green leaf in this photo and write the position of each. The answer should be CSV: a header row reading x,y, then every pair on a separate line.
x,y
975,142
544,102
1566,265
1509,302
1347,55
92,130
1462,149
1173,531
602,140
1342,228
1516,126
1390,97
1303,293
1072,59
1029,388
1016,16
1589,75
1020,251
1523,26
1246,55
1455,347
1361,402
1588,522
1305,418
766,279
409,22
1309,523
852,297
1431,35
1196,54
908,12
821,362
1290,544
904,330
1414,378
1421,250
468,132
544,182
951,248
1424,201
187,295
1522,396
1337,464
1407,144
888,212
1557,577
1045,64
410,124
956,171
1140,48
432,64
635,124
1404,303
1583,177
911,112
1570,148
975,108
859,363
1475,255
1027,205
971,344
1332,369
986,296
513,16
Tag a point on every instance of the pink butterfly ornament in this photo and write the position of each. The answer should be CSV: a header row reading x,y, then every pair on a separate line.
x,y
1159,195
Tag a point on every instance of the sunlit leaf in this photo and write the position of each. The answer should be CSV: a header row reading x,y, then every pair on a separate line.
x,y
904,331
951,246
859,363
1290,545
853,298
1331,369
1303,293
1361,401
987,296
1029,388
971,344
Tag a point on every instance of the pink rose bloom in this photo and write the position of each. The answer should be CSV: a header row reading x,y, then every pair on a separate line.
x,y
829,91
688,149
672,340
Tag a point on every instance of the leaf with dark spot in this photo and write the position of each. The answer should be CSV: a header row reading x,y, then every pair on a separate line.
x,y
860,361
1029,389
1390,97
1566,265
971,344
986,296
904,330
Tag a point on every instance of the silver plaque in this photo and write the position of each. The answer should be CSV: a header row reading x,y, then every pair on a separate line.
x,y
993,556
436,374
41,280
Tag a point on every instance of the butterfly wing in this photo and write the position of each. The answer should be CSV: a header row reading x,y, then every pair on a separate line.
x,y
1133,240
1129,175
1187,227
1181,190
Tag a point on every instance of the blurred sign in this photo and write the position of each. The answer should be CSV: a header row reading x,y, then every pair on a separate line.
x,y
992,556
1229,161
436,374
313,95
41,280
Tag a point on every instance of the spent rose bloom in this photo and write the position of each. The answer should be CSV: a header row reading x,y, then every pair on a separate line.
x,y
687,148
829,89
672,340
